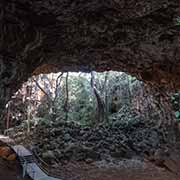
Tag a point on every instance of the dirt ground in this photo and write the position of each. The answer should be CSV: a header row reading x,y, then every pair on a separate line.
x,y
133,169
81,171
124,170
10,170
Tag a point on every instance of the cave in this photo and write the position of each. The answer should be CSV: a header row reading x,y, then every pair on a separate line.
x,y
141,38
137,37
137,129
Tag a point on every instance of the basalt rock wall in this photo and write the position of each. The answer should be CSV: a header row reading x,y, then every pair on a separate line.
x,y
135,36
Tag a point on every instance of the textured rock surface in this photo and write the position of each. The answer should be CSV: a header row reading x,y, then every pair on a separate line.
x,y
138,37
104,142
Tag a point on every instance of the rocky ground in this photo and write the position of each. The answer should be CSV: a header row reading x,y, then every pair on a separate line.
x,y
62,142
127,147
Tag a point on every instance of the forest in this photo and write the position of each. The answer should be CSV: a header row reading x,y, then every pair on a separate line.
x,y
89,99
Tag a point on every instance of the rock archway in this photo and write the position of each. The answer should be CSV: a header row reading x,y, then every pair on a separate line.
x,y
139,37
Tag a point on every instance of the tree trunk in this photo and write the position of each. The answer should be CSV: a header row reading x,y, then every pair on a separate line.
x,y
49,98
106,96
29,108
8,114
100,103
129,90
66,108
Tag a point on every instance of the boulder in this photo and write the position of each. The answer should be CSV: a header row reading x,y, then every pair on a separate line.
x,y
48,156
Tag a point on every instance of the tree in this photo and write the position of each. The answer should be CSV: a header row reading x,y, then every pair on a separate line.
x,y
106,95
100,103
47,91
81,99
66,108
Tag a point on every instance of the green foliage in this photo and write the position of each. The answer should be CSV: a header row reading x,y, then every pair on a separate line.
x,y
177,21
81,100
175,98
132,78
115,89
177,114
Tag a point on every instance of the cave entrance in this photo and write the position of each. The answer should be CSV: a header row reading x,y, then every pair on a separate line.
x,y
138,37
92,120
86,98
